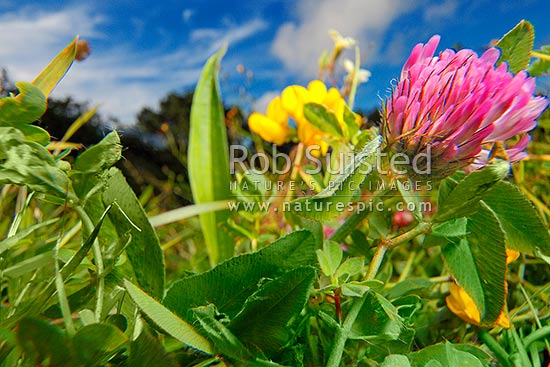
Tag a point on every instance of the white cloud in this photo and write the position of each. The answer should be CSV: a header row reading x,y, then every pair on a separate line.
x,y
29,38
229,34
298,45
187,14
122,79
440,10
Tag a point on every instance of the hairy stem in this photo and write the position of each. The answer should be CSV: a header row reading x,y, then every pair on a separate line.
x,y
98,257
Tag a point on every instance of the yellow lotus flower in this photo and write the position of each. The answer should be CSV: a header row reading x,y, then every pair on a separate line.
x,y
462,305
272,127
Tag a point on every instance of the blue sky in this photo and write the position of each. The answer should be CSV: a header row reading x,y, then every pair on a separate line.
x,y
141,50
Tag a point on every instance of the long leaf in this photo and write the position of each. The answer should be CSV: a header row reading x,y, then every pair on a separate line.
x,y
144,251
38,304
56,69
464,198
166,320
9,242
338,195
209,159
187,212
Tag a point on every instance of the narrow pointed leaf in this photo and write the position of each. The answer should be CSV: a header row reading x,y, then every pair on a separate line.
x,y
166,320
339,194
9,242
208,159
144,251
56,69
463,199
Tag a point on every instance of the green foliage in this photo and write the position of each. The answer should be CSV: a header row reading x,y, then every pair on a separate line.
x,y
338,196
41,341
243,273
523,228
131,223
452,355
467,258
208,159
463,199
323,119
21,110
166,320
378,320
263,322
541,65
99,157
147,351
516,46
96,343
27,163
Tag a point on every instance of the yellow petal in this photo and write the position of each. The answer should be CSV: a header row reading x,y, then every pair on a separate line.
x,y
268,129
276,112
293,99
462,305
503,320
332,99
317,91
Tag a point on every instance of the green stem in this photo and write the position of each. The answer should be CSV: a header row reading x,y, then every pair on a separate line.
x,y
349,225
540,55
499,352
296,166
541,333
355,81
89,225
343,332
421,228
408,267
62,297
376,261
